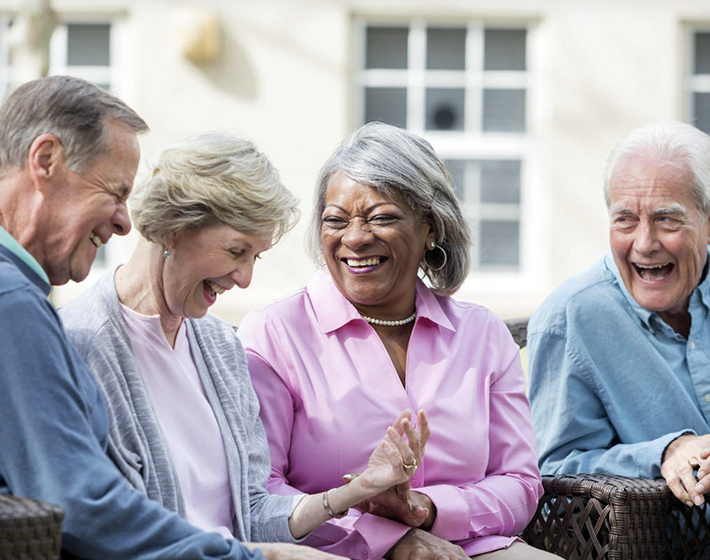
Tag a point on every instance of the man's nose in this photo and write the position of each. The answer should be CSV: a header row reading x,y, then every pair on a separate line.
x,y
646,238
121,221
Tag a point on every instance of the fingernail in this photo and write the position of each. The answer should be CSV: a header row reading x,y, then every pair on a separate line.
x,y
689,503
701,474
698,500
699,489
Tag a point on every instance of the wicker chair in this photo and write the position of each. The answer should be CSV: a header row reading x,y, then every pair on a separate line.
x,y
29,529
589,516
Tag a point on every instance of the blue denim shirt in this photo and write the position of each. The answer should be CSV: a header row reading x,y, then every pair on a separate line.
x,y
611,384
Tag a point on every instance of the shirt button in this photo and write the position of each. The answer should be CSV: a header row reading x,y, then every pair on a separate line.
x,y
707,397
364,555
415,483
692,345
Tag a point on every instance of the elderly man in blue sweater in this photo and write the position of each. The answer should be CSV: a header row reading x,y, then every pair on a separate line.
x,y
620,354
68,157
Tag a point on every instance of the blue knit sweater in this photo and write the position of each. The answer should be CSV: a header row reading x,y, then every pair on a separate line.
x,y
54,434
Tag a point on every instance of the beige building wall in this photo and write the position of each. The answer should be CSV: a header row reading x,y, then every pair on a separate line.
x,y
285,80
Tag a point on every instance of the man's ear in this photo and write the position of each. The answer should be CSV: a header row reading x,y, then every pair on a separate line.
x,y
45,160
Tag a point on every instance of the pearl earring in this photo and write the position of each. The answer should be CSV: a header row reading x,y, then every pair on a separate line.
x,y
166,253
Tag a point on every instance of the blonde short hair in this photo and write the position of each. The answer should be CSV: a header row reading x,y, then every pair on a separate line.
x,y
213,179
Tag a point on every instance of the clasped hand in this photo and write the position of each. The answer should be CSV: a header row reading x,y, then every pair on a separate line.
x,y
680,459
388,465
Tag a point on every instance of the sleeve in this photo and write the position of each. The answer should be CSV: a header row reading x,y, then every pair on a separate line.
x,y
50,414
269,512
355,535
575,434
504,501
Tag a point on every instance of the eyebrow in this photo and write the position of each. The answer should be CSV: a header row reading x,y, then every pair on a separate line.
x,y
368,209
674,208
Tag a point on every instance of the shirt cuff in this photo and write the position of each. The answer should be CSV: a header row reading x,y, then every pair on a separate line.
x,y
453,515
379,535
652,453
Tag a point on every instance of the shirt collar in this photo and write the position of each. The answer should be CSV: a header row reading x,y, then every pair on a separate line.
x,y
11,244
334,311
702,291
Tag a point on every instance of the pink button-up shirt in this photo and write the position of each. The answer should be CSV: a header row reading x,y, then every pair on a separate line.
x,y
328,391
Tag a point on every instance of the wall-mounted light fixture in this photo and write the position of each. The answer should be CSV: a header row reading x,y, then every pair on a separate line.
x,y
198,34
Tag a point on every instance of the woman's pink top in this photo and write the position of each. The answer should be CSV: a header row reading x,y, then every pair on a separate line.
x,y
328,391
186,419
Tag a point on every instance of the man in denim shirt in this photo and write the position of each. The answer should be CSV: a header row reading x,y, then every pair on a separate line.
x,y
620,354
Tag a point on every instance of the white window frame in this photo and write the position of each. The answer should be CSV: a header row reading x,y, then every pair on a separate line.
x,y
694,83
469,145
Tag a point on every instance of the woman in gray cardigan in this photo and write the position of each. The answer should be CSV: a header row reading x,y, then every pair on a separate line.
x,y
185,425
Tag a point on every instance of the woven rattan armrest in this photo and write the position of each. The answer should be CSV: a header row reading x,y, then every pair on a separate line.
x,y
29,529
601,516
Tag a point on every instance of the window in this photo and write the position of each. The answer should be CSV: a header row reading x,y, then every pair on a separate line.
x,y
465,88
700,79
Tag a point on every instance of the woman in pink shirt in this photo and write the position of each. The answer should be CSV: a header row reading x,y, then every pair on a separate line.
x,y
184,419
366,338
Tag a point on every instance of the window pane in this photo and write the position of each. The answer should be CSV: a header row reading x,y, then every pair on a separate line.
x,y
504,110
702,53
504,49
445,49
386,47
101,258
702,111
457,169
500,181
444,108
88,44
388,105
499,243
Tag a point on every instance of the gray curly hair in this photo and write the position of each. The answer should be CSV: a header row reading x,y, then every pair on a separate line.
x,y
403,166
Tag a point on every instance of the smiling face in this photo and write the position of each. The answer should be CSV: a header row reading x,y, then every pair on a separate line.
x,y
81,211
205,263
658,235
372,247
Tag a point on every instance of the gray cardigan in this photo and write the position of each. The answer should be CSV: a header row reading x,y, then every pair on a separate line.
x,y
95,326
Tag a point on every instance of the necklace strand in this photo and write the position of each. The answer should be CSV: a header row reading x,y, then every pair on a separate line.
x,y
385,323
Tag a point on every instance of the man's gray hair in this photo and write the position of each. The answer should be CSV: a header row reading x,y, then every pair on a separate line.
x,y
74,110
403,167
672,143
213,179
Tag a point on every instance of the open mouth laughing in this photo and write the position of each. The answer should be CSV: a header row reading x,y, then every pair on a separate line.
x,y
96,240
212,289
365,264
654,272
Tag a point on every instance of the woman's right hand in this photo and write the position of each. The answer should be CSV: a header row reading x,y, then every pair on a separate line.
x,y
285,551
421,545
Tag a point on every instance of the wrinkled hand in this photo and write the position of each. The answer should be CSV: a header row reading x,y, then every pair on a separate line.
x,y
682,456
420,545
401,504
386,465
284,551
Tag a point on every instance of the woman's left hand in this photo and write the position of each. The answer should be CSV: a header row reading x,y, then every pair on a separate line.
x,y
400,504
395,460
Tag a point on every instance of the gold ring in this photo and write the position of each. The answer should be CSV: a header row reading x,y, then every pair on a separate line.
x,y
411,467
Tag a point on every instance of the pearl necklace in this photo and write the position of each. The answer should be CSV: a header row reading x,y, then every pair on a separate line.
x,y
384,323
